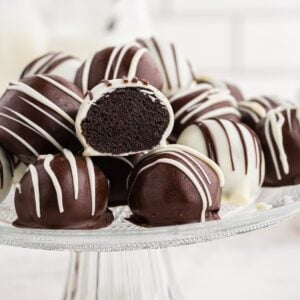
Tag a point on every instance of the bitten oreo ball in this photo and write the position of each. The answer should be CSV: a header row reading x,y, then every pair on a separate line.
x,y
174,185
129,60
117,170
53,63
63,192
236,149
279,133
202,102
255,109
175,68
122,117
37,116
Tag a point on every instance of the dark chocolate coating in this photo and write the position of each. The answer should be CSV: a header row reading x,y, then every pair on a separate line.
x,y
117,171
29,118
163,195
146,68
291,145
77,212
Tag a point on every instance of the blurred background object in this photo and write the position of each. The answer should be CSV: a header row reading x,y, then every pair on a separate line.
x,y
252,43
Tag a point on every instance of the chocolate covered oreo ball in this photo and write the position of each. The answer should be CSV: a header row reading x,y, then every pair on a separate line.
x,y
279,133
255,109
122,117
130,60
174,185
236,149
202,102
53,63
37,116
63,192
117,170
174,67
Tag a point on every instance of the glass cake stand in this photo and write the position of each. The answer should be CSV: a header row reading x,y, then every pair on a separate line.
x,y
104,264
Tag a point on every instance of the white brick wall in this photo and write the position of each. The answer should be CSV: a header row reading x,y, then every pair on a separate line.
x,y
253,42
205,41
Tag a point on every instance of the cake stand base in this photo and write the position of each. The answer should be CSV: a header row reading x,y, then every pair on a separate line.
x,y
132,275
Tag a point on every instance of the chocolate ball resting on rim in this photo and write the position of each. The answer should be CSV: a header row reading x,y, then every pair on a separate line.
x,y
279,133
174,185
63,192
53,63
236,150
256,108
202,102
129,60
117,170
37,116
121,117
176,70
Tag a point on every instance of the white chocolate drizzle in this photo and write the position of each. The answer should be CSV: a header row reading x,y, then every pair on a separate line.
x,y
36,189
92,179
72,162
55,182
274,123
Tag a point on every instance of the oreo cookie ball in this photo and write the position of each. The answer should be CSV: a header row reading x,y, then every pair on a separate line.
x,y
236,150
53,63
122,117
256,108
202,102
117,170
37,116
174,185
279,133
129,60
63,192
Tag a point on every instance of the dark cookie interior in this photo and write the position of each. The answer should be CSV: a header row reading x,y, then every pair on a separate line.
x,y
125,120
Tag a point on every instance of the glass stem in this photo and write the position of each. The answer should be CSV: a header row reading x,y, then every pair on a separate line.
x,y
128,275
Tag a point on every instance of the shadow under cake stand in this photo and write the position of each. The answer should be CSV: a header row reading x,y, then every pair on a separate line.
x,y
105,264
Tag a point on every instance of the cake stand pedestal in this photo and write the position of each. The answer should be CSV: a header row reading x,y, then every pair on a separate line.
x,y
105,264
128,275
